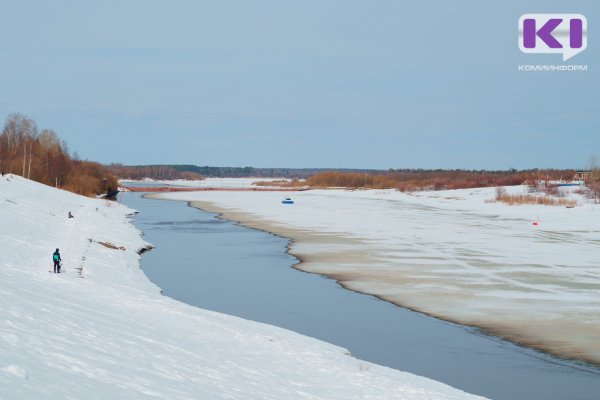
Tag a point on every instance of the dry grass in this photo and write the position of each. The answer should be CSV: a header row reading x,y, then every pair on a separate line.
x,y
520,199
278,183
111,246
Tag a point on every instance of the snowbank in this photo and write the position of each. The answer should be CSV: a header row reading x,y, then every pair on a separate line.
x,y
101,330
529,273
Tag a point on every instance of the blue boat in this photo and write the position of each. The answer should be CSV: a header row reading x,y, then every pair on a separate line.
x,y
570,184
287,200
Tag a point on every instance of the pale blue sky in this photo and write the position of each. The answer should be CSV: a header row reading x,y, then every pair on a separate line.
x,y
357,84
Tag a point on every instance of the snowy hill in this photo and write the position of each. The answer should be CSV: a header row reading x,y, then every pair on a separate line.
x,y
101,330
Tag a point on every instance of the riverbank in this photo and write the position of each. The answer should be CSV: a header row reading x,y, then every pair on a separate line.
x,y
451,255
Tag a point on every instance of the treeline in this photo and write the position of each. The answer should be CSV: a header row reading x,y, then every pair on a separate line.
x,y
245,172
401,179
41,156
159,172
409,180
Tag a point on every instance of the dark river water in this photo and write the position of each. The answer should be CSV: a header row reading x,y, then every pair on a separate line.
x,y
221,266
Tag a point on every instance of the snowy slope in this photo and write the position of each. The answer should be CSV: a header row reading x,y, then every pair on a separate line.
x,y
453,254
107,333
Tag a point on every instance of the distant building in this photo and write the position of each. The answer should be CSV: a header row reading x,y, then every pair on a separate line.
x,y
582,176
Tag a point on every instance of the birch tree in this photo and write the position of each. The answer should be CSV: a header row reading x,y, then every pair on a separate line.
x,y
19,132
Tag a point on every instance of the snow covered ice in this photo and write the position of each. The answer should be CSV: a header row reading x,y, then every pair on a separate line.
x,y
102,330
453,254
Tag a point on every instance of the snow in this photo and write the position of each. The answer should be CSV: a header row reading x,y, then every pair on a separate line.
x,y
102,330
217,183
455,254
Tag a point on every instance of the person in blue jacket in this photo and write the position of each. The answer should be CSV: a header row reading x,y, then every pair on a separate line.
x,y
56,258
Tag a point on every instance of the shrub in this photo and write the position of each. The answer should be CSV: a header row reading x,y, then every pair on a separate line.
x,y
519,199
411,180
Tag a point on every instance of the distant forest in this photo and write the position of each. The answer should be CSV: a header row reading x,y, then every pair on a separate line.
x,y
401,179
195,172
41,156
159,172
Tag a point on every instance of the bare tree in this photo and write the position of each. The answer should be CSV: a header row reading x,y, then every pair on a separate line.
x,y
594,169
19,131
50,147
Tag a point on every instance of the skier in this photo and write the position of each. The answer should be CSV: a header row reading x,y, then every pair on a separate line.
x,y
71,215
57,260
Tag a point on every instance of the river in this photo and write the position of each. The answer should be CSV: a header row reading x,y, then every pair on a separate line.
x,y
219,265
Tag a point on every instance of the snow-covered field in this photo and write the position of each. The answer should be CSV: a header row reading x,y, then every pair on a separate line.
x,y
103,331
216,183
530,273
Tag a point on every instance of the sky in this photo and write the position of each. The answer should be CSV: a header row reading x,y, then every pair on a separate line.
x,y
333,84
